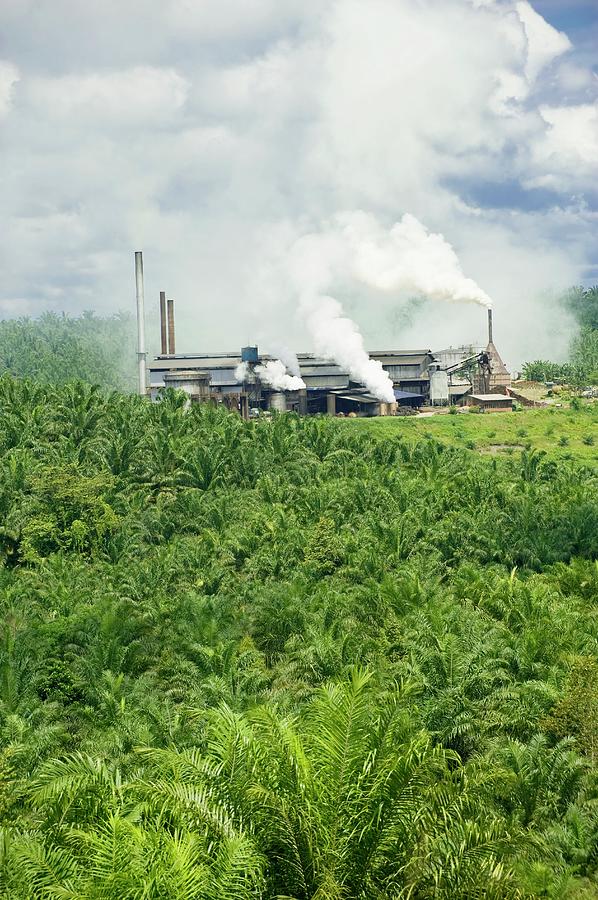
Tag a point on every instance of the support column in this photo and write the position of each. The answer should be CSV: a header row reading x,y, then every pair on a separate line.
x,y
303,402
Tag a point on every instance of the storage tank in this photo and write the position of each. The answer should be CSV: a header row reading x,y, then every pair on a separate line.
x,y
439,387
249,355
194,383
278,402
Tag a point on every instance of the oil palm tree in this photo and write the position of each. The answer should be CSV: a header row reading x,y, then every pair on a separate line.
x,y
349,801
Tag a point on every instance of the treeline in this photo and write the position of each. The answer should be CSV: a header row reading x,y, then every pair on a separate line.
x,y
284,659
582,368
58,348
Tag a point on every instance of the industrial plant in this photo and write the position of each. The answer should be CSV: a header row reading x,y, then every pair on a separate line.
x,y
252,382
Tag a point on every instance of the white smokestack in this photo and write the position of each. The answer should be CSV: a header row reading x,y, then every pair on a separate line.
x,y
141,354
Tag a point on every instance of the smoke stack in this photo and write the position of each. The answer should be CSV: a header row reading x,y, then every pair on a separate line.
x,y
163,345
141,354
489,326
171,349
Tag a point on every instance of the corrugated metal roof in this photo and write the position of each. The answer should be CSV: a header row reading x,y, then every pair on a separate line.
x,y
400,352
406,361
415,378
321,371
358,398
195,362
407,395
488,397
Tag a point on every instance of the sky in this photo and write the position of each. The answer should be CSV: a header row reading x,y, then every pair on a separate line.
x,y
216,134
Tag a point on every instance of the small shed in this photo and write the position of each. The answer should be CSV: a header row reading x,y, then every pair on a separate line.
x,y
361,404
407,398
489,402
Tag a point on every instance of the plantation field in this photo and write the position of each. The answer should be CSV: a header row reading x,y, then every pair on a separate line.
x,y
561,433
287,658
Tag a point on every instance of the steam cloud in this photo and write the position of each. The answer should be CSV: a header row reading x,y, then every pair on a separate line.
x,y
356,248
273,373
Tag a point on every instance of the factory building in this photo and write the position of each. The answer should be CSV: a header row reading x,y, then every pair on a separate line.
x,y
237,379
328,387
489,402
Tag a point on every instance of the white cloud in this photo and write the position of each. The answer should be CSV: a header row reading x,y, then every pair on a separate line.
x,y
566,154
9,76
545,43
214,135
132,96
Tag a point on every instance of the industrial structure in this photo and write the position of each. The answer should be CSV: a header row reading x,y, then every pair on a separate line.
x,y
488,402
419,377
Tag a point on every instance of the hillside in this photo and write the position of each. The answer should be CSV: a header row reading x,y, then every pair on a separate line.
x,y
291,658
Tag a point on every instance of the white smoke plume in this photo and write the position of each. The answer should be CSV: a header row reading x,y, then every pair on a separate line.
x,y
286,356
408,258
273,373
338,337
242,372
356,248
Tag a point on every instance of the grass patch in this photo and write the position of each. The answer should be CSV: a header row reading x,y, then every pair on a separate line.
x,y
553,430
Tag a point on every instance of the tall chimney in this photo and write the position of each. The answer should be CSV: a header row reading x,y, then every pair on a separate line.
x,y
489,326
171,349
141,354
163,345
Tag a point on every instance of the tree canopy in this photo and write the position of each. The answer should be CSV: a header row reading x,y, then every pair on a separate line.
x,y
286,659
59,348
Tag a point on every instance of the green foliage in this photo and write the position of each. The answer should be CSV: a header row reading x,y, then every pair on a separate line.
x,y
324,552
584,353
576,713
544,370
583,304
290,657
582,368
57,348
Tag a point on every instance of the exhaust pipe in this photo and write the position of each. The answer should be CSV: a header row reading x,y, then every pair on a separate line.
x,y
489,326
163,345
141,354
171,349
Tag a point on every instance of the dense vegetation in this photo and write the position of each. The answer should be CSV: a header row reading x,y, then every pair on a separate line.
x,y
58,349
582,367
289,659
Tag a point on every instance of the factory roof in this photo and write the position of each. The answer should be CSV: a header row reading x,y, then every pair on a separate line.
x,y
487,398
423,376
498,366
309,363
214,361
422,353
358,398
407,395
